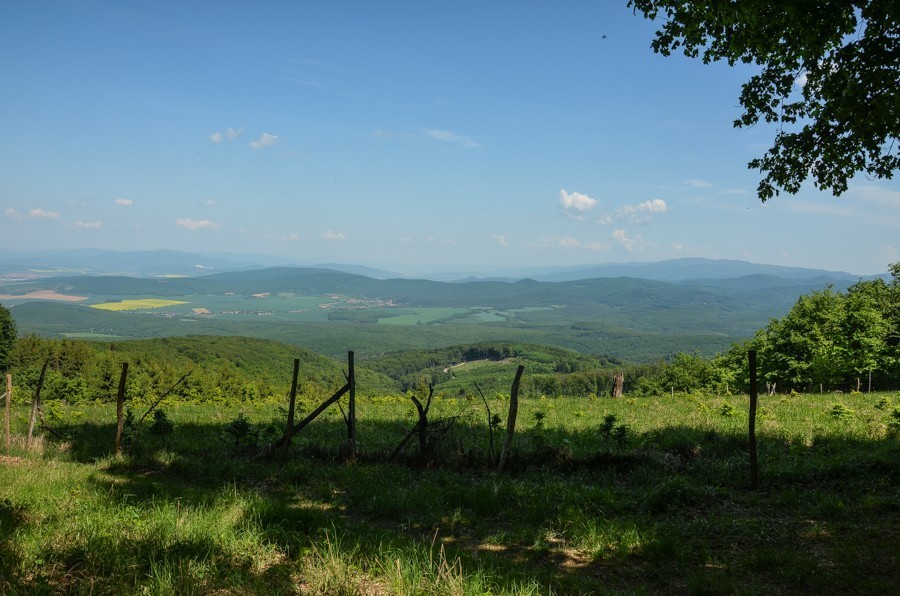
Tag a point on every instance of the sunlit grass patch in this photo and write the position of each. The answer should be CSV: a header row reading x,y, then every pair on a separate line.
x,y
137,304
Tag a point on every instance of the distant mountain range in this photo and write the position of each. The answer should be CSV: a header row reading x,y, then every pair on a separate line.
x,y
169,263
635,311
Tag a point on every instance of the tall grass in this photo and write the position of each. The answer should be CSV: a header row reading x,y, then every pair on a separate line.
x,y
641,495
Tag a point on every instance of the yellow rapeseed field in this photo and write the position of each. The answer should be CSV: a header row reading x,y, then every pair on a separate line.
x,y
136,304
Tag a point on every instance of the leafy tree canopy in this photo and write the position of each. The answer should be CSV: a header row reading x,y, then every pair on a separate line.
x,y
829,73
7,337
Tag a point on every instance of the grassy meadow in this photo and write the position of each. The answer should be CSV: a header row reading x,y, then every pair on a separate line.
x,y
599,496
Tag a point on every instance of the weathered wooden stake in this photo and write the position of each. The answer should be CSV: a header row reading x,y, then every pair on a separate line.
x,y
290,420
8,405
351,410
120,408
618,383
754,464
511,418
36,404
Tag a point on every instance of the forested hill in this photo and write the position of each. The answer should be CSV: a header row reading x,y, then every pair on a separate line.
x,y
728,295
331,311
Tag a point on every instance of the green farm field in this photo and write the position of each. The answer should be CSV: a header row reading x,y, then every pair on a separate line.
x,y
599,496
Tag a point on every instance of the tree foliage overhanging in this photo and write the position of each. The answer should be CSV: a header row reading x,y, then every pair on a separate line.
x,y
828,78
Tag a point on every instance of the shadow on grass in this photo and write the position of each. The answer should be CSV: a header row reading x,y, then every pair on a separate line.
x,y
12,516
574,512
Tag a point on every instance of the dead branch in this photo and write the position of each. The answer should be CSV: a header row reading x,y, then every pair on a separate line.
x,y
164,396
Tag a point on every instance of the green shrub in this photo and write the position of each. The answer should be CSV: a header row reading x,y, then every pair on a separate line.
x,y
161,424
841,412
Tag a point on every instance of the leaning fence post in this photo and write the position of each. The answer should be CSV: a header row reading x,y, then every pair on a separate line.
x,y
120,408
754,464
290,420
511,418
351,413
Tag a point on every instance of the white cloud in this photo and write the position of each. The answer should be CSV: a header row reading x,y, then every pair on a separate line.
x,y
266,140
642,212
230,134
12,214
605,219
576,203
43,214
331,235
89,225
210,202
570,242
190,224
697,183
800,81
451,137
877,194
124,202
281,237
500,239
630,244
598,246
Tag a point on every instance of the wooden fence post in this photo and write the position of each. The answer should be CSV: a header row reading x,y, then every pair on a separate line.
x,y
754,464
290,420
36,404
8,413
120,408
511,418
351,413
618,383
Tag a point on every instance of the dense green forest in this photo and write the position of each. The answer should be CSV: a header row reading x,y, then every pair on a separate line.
x,y
329,312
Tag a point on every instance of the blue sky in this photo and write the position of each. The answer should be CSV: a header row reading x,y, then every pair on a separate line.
x,y
415,136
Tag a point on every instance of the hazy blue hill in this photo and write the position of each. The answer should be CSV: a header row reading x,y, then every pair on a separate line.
x,y
625,317
761,281
691,268
147,263
635,302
